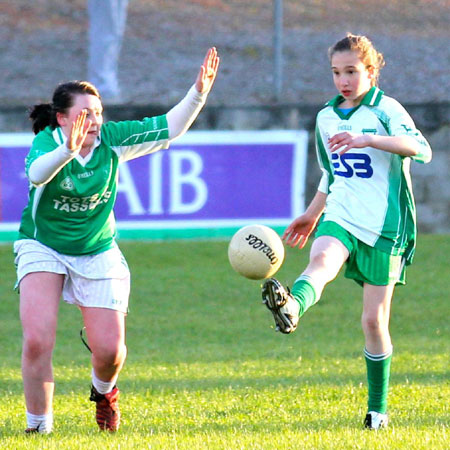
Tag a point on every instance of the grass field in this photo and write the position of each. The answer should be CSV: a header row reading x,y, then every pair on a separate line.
x,y
206,370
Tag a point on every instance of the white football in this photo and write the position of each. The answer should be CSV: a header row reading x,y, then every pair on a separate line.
x,y
256,252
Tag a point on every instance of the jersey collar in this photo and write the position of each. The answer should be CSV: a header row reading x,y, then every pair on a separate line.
x,y
59,136
372,98
61,139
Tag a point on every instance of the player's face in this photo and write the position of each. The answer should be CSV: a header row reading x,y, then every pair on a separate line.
x,y
94,108
351,77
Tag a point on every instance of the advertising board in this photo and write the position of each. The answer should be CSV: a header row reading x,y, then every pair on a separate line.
x,y
208,184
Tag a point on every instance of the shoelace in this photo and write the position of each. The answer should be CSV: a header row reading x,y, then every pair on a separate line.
x,y
82,339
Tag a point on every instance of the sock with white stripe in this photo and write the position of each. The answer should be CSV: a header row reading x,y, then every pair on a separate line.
x,y
378,373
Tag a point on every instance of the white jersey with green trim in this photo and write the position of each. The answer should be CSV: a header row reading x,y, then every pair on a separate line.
x,y
73,213
369,190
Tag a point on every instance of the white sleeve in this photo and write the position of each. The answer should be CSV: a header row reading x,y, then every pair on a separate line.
x,y
45,167
181,116
324,183
401,124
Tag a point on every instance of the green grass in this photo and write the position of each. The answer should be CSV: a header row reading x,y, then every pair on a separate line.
x,y
206,370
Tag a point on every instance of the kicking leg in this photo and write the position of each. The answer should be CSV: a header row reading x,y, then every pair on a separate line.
x,y
327,256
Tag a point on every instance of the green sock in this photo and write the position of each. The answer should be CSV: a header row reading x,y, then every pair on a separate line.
x,y
303,291
378,371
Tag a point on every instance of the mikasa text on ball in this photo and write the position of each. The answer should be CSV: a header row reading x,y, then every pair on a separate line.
x,y
256,252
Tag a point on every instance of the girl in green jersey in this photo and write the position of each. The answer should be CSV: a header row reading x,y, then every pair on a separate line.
x,y
365,142
66,244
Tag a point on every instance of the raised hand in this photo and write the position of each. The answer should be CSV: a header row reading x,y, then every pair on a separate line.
x,y
208,71
78,132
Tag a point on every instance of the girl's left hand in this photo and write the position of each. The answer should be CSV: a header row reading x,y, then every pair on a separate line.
x,y
343,142
208,71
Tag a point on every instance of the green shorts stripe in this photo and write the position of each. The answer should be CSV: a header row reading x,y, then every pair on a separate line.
x,y
366,264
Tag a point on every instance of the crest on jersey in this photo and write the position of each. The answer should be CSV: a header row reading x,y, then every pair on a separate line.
x,y
369,131
67,184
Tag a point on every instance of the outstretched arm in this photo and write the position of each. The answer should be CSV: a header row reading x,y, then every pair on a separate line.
x,y
182,115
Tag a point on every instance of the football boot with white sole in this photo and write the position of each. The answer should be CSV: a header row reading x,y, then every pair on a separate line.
x,y
282,305
375,420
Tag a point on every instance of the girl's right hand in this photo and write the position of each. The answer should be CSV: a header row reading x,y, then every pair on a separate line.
x,y
298,232
78,132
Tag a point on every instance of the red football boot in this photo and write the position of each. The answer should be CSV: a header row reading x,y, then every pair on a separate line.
x,y
107,409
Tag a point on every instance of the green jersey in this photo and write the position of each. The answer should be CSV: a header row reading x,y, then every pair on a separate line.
x,y
369,190
73,213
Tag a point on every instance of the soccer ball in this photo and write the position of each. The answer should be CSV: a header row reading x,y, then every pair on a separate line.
x,y
256,252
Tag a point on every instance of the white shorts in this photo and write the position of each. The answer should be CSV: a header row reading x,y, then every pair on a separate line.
x,y
101,281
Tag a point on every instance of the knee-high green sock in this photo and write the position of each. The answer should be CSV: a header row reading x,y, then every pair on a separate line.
x,y
378,372
305,293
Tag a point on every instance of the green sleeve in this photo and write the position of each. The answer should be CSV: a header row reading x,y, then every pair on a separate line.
x,y
136,132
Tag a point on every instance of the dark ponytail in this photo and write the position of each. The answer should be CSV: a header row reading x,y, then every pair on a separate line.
x,y
40,116
44,114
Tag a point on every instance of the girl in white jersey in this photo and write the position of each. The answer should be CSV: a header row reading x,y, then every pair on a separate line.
x,y
364,207
66,244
